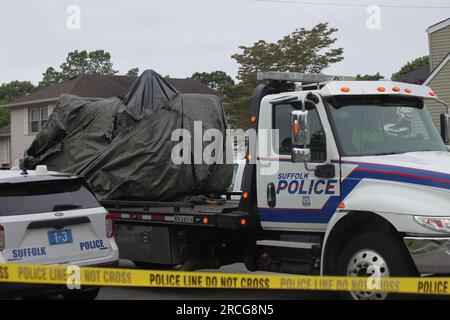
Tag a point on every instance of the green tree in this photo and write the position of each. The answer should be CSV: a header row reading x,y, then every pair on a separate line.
x,y
9,92
411,66
369,77
133,72
79,62
236,100
215,80
304,50
50,77
5,117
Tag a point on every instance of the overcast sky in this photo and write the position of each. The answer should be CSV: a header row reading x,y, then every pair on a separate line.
x,y
180,37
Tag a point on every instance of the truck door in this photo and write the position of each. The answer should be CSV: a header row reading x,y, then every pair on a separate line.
x,y
294,197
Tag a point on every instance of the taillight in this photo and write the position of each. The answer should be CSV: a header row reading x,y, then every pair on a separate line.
x,y
2,238
110,227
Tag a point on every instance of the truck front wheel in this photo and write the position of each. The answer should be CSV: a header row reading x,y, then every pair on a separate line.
x,y
375,254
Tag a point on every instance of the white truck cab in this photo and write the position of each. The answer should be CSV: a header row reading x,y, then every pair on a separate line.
x,y
51,218
346,178
362,176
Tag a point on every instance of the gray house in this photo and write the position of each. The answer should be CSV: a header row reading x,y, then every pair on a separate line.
x,y
439,79
30,113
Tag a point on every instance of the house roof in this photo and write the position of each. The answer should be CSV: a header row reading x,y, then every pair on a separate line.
x,y
436,70
417,76
5,131
98,86
438,26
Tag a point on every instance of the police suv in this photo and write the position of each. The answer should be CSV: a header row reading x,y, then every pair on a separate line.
x,y
347,178
53,219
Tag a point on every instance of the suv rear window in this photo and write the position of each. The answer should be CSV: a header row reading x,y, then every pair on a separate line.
x,y
45,196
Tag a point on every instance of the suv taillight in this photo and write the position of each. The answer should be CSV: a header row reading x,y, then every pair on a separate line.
x,y
2,238
110,227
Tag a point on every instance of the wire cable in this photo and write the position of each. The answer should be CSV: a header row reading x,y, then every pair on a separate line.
x,y
329,4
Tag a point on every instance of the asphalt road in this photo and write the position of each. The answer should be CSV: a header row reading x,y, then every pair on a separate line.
x,y
119,293
114,293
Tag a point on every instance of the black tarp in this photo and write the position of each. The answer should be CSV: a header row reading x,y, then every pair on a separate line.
x,y
148,94
124,149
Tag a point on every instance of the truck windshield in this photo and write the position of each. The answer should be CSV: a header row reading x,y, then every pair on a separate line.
x,y
379,125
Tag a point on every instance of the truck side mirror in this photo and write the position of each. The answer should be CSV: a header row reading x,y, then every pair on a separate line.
x,y
300,136
445,127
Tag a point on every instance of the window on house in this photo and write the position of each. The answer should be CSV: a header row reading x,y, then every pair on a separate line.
x,y
44,116
4,151
38,117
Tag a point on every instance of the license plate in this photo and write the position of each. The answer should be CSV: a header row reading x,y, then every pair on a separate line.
x,y
60,237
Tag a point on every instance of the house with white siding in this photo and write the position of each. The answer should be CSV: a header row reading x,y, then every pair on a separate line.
x,y
439,79
30,113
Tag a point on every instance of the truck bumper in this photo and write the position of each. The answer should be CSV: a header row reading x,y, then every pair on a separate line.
x,y
430,255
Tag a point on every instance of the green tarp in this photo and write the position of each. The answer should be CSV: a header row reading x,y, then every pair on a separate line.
x,y
124,150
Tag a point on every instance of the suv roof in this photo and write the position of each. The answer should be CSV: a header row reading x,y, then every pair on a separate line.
x,y
16,176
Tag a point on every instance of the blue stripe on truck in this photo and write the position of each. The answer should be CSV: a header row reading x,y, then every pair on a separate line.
x,y
362,171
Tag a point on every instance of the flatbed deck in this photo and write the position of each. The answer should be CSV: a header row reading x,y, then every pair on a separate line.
x,y
222,214
171,207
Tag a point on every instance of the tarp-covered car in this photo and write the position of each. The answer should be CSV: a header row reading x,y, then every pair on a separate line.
x,y
124,147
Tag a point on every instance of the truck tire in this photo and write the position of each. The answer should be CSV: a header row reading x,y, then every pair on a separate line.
x,y
89,294
374,252
152,266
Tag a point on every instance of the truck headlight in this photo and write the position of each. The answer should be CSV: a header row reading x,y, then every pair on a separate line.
x,y
440,224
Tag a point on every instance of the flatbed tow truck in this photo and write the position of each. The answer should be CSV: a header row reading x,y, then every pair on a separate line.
x,y
362,188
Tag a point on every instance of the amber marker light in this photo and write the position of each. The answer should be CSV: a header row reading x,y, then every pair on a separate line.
x,y
345,89
381,89
396,89
296,127
245,195
408,90
253,119
432,93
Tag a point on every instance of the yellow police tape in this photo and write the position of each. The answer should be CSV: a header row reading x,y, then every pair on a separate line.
x,y
72,275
